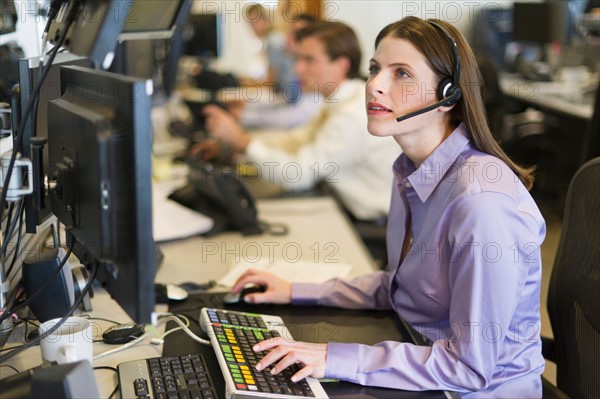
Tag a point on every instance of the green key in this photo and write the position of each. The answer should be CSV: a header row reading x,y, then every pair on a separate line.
x,y
259,335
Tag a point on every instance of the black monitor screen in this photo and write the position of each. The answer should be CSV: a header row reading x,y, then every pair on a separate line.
x,y
541,22
202,35
99,139
155,19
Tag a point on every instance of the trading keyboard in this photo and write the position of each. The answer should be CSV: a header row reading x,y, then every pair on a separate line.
x,y
166,377
233,334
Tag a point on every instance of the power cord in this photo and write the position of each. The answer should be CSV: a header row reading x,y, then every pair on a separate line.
x,y
161,340
112,394
167,317
10,367
18,243
10,225
31,103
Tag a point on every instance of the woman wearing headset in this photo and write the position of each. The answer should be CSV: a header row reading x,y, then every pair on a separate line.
x,y
463,238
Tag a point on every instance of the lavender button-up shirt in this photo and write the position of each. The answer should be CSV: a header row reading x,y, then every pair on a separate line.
x,y
470,282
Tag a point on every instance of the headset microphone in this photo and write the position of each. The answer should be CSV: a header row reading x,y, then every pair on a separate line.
x,y
446,101
448,90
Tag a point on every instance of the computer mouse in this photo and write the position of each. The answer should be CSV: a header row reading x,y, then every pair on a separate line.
x,y
231,298
122,333
169,292
192,286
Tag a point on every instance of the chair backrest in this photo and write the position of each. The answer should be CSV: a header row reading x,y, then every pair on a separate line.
x,y
591,139
574,294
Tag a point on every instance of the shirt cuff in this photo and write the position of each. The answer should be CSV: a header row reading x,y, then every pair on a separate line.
x,y
342,361
305,294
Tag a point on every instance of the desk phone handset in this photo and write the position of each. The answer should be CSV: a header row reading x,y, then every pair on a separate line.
x,y
217,192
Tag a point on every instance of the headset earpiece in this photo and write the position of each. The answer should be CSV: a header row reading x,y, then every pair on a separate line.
x,y
444,89
448,92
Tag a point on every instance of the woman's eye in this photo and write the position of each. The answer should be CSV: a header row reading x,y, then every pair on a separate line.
x,y
402,73
373,69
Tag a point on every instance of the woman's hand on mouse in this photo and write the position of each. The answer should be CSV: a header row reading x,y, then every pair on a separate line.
x,y
277,290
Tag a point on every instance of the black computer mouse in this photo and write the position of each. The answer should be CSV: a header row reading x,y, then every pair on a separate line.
x,y
122,333
232,299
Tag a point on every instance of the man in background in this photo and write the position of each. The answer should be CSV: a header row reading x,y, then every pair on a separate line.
x,y
335,147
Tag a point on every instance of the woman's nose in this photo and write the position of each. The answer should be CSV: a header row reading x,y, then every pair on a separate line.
x,y
375,85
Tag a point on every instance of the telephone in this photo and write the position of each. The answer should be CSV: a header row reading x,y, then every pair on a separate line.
x,y
218,192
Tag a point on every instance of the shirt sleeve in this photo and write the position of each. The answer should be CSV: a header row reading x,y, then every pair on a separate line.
x,y
280,116
486,278
369,291
337,144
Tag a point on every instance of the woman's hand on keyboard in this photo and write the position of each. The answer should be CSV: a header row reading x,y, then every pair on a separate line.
x,y
311,358
277,290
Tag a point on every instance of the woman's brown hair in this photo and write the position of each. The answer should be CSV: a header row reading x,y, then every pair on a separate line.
x,y
432,42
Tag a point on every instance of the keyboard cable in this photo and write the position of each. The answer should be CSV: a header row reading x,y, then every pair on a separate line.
x,y
167,317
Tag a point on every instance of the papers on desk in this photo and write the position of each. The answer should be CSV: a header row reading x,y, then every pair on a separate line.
x,y
173,221
295,272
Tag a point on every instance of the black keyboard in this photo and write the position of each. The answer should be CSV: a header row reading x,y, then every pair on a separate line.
x,y
169,377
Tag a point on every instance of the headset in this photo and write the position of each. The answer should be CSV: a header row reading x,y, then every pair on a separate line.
x,y
448,90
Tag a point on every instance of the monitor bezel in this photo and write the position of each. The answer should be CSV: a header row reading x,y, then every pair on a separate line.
x,y
108,213
177,23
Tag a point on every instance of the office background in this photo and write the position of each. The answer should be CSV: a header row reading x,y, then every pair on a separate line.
x,y
367,18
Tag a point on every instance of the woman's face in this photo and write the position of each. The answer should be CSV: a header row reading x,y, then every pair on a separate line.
x,y
400,81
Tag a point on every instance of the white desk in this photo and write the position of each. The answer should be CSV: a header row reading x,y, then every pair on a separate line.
x,y
318,232
559,97
316,226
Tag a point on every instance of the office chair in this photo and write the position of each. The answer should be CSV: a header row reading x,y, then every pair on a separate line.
x,y
574,292
591,138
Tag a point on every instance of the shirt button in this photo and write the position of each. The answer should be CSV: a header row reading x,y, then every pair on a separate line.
x,y
407,184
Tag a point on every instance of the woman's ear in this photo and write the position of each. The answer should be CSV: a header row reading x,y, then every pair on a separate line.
x,y
446,108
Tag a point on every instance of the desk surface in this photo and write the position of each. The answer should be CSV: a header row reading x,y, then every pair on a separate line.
x,y
309,324
316,227
318,232
566,98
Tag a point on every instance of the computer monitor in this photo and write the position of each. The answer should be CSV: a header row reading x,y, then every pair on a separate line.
x,y
99,142
156,19
152,51
38,124
202,36
135,58
541,23
94,30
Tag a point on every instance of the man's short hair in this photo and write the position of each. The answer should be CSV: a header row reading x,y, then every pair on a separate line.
x,y
339,40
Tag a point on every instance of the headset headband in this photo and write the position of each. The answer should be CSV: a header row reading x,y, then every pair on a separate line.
x,y
454,47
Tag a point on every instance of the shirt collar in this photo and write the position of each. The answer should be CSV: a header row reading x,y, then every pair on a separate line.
x,y
430,173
